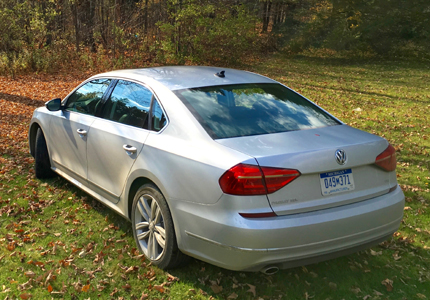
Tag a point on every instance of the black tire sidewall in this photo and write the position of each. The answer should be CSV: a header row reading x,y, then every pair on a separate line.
x,y
42,163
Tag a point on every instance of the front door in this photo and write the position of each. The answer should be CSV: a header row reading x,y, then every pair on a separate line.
x,y
70,129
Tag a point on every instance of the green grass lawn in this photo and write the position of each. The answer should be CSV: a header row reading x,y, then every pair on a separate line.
x,y
57,242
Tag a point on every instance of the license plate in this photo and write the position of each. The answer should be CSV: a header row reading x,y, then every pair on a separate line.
x,y
336,182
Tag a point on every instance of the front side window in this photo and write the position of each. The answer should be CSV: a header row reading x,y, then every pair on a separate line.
x,y
128,104
252,109
86,99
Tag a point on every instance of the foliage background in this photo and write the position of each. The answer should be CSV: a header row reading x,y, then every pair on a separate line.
x,y
47,35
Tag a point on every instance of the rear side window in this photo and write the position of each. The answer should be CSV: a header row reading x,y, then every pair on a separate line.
x,y
252,109
128,104
158,117
86,99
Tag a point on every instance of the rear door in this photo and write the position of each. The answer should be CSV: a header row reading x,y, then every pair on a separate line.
x,y
69,128
117,138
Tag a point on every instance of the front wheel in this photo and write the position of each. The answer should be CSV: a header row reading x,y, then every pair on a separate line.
x,y
153,228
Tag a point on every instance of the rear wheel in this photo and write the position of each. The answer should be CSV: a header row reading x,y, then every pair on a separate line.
x,y
42,164
153,228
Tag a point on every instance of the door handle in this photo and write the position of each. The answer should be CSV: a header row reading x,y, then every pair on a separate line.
x,y
129,148
81,132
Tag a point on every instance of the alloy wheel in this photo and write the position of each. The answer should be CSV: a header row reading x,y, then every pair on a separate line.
x,y
149,226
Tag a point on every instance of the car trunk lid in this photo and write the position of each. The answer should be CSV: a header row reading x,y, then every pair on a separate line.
x,y
312,152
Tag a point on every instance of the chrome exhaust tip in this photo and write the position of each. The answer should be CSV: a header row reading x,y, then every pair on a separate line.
x,y
271,270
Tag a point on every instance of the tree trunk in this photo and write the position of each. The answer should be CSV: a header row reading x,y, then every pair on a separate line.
x,y
145,18
76,23
266,14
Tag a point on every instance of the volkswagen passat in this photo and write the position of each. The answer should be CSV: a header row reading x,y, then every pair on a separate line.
x,y
227,166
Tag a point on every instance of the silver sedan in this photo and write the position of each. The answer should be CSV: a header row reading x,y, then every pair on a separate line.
x,y
226,166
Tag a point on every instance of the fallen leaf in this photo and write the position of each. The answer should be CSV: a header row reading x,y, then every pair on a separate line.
x,y
100,287
25,286
172,278
131,269
25,296
10,246
86,288
233,296
252,289
115,290
307,296
396,255
159,288
388,284
374,253
30,274
216,288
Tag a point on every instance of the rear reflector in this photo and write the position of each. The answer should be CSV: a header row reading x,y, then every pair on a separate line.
x,y
387,159
245,179
258,215
393,189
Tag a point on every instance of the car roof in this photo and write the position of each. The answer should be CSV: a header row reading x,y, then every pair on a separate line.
x,y
182,77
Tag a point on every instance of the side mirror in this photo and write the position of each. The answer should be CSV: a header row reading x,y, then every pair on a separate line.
x,y
54,104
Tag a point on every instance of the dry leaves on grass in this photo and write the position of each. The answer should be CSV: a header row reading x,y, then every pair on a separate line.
x,y
388,284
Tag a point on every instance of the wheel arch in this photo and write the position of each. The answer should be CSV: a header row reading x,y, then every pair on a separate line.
x,y
134,187
137,183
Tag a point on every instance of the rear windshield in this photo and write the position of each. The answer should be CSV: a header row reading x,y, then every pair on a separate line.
x,y
251,109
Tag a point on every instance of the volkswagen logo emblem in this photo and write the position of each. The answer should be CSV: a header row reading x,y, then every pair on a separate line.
x,y
340,156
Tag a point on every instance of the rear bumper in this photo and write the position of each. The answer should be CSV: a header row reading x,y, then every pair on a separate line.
x,y
219,235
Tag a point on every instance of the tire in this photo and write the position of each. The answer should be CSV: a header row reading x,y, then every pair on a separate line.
x,y
153,228
42,165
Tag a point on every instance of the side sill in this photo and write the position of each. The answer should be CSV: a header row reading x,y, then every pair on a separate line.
x,y
89,183
91,192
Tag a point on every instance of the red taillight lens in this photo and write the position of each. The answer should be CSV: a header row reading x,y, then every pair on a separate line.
x,y
278,178
387,159
245,179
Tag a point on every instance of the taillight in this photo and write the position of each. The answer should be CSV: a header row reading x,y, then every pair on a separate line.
x,y
245,179
277,178
387,159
